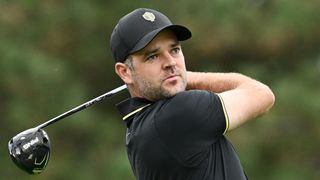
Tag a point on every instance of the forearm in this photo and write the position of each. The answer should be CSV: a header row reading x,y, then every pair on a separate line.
x,y
218,82
244,97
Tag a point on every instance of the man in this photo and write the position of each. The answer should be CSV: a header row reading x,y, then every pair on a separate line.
x,y
176,119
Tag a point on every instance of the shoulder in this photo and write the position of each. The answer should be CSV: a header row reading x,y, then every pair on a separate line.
x,y
188,106
192,99
191,95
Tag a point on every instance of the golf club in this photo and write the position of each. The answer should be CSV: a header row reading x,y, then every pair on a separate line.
x,y
30,149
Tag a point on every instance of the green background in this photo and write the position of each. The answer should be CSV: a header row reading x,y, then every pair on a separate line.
x,y
54,55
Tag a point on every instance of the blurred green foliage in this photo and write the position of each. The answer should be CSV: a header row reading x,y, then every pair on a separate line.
x,y
54,55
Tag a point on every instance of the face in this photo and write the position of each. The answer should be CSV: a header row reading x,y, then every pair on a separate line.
x,y
159,69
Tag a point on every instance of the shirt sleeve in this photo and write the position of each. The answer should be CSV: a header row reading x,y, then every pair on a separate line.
x,y
189,123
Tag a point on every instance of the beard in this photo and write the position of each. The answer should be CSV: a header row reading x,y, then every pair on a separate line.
x,y
156,91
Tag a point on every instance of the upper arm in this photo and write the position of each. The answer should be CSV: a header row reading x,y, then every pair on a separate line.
x,y
246,102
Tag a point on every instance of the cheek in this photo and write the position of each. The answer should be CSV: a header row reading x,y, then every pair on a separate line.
x,y
181,63
151,70
148,73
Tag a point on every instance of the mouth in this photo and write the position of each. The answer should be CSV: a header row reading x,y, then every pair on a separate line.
x,y
172,77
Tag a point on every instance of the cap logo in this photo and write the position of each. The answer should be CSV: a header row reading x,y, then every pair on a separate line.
x,y
148,16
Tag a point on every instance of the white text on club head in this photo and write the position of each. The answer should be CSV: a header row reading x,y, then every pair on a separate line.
x,y
32,142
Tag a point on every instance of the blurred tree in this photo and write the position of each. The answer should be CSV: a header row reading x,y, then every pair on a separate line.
x,y
55,55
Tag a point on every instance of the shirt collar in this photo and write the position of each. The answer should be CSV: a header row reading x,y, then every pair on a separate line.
x,y
131,106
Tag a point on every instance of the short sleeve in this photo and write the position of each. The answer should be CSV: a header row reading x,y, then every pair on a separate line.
x,y
189,123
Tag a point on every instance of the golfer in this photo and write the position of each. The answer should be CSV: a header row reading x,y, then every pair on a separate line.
x,y
176,119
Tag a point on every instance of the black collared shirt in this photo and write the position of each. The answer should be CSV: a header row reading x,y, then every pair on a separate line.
x,y
180,138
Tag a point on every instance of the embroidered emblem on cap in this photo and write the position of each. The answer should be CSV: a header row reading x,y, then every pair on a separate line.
x,y
149,16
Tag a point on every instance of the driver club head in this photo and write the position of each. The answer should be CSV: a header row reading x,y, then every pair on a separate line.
x,y
30,150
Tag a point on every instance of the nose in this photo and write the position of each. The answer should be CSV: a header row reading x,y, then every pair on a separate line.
x,y
169,61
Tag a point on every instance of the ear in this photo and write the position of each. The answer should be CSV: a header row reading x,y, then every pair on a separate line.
x,y
123,72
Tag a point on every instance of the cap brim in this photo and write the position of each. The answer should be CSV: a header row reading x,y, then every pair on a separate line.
x,y
181,32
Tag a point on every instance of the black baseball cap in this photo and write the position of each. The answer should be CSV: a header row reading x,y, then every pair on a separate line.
x,y
136,30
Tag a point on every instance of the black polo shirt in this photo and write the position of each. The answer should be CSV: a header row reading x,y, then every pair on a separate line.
x,y
180,138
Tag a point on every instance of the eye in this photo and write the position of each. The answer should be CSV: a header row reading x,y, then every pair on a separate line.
x,y
176,50
152,57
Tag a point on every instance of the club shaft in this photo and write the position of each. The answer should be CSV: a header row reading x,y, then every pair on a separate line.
x,y
81,107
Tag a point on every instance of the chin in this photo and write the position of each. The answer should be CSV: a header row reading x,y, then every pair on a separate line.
x,y
171,91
